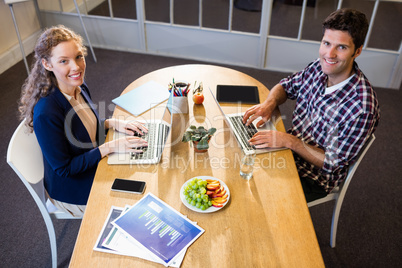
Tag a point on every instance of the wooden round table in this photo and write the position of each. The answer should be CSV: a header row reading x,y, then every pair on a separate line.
x,y
266,222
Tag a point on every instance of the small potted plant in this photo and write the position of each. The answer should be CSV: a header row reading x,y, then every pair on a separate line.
x,y
199,136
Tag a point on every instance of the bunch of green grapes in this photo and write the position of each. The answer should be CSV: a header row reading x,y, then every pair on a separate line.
x,y
195,194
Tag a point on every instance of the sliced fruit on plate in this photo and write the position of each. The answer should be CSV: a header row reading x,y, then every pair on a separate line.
x,y
217,193
220,194
225,196
213,186
219,200
217,205
210,192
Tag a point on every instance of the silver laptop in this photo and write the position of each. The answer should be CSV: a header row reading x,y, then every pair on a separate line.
x,y
243,133
158,131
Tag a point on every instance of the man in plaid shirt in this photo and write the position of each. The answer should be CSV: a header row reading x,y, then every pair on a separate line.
x,y
336,107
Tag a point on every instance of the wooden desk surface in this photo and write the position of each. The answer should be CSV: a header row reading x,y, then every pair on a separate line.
x,y
266,222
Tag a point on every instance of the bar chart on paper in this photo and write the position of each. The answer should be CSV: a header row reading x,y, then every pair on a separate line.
x,y
155,224
158,227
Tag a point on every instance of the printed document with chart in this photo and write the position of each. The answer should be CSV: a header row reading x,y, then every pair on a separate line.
x,y
158,228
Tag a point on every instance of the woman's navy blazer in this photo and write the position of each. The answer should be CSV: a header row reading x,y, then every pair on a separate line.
x,y
70,158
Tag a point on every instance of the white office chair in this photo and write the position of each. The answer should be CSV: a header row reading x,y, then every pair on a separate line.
x,y
25,157
339,192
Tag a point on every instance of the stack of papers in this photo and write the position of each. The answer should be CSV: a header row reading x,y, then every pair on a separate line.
x,y
151,230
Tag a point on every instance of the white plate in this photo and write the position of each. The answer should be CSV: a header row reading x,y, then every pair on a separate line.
x,y
210,209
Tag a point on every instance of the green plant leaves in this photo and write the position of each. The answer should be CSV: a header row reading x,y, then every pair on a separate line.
x,y
211,131
203,144
199,134
187,136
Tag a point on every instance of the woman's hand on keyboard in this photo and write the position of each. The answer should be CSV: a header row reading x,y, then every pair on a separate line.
x,y
123,145
128,127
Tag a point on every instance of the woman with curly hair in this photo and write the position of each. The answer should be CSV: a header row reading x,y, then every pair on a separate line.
x,y
57,106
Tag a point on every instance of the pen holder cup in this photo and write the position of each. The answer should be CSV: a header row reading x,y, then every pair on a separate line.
x,y
180,105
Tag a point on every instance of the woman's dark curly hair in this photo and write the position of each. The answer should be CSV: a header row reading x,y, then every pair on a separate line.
x,y
41,81
350,20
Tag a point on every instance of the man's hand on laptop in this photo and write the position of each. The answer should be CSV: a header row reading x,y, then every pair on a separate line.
x,y
269,138
263,110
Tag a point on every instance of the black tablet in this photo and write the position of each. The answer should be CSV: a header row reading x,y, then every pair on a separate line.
x,y
235,94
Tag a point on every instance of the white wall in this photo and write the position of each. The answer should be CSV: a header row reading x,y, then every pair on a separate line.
x,y
68,5
264,52
28,25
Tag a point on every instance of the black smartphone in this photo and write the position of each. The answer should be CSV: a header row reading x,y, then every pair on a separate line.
x,y
129,186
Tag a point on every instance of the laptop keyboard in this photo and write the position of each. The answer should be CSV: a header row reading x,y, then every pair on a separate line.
x,y
244,132
148,152
163,133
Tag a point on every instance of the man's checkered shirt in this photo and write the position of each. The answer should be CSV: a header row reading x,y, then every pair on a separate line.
x,y
339,123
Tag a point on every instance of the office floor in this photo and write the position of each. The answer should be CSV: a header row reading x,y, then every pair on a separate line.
x,y
370,220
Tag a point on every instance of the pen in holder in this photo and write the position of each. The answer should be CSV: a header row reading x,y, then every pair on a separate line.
x,y
178,101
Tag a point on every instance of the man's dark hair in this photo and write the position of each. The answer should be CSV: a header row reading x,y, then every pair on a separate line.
x,y
352,21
